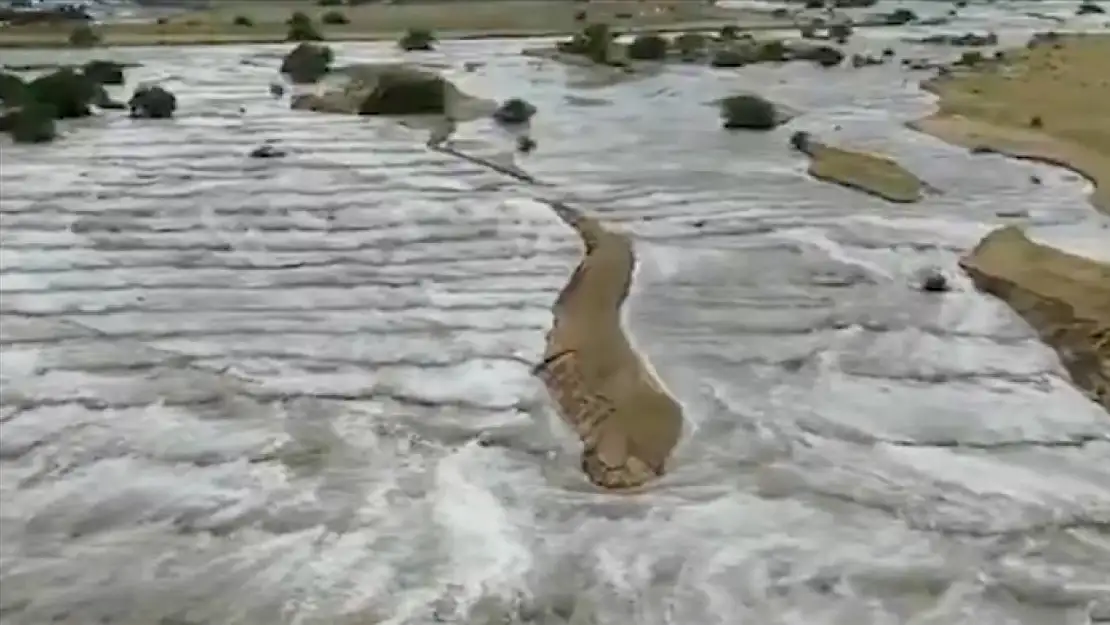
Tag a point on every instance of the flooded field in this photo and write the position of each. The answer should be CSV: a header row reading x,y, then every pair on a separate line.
x,y
298,390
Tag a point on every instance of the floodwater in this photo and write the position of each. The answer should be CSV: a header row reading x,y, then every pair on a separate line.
x,y
257,392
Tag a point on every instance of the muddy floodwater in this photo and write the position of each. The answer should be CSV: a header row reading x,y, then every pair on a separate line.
x,y
297,390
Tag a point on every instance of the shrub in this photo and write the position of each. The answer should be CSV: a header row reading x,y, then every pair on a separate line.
x,y
729,32
800,141
840,32
12,89
899,17
825,56
334,18
1089,8
31,123
417,39
307,62
301,28
649,47
514,111
598,38
67,92
83,36
748,112
406,93
329,3
774,50
152,102
242,20
104,72
730,57
691,46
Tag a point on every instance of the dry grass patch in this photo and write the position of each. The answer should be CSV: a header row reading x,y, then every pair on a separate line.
x,y
870,173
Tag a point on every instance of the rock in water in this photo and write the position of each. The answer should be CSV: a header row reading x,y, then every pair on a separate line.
x,y
152,102
525,144
277,89
266,151
935,282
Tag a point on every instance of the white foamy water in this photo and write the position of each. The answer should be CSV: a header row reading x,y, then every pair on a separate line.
x,y
298,391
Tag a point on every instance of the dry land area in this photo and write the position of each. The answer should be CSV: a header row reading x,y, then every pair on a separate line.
x,y
1046,103
448,19
870,173
627,422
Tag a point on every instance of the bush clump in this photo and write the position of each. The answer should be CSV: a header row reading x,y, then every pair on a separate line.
x,y
900,17
773,51
67,92
406,93
152,102
104,72
748,112
514,111
334,18
417,39
242,20
307,63
729,32
691,46
731,57
1089,8
12,89
825,56
330,3
840,32
32,122
301,28
594,41
649,47
83,36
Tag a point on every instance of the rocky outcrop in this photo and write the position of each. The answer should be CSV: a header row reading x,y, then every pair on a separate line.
x,y
1065,298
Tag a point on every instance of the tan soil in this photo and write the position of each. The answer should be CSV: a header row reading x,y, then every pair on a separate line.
x,y
628,424
1065,84
1065,298
870,173
455,19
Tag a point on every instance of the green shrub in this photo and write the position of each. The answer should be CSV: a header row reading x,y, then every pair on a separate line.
x,y
730,57
899,17
31,123
152,102
330,3
12,89
242,20
417,39
840,32
334,18
648,47
514,111
67,92
773,50
406,93
301,28
307,63
83,36
748,112
104,72
729,32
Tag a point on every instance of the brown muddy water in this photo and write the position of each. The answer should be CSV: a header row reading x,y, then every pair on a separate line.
x,y
254,392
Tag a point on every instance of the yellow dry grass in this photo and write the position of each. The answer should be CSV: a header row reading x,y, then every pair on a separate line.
x,y
871,173
1065,84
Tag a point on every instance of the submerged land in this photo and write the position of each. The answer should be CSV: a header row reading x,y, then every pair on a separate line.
x,y
1045,103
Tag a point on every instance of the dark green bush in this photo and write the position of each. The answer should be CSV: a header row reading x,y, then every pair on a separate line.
x,y
67,92
152,102
104,72
730,57
773,50
1089,8
729,32
31,123
329,3
406,93
242,20
83,36
301,28
748,112
334,18
898,17
417,39
514,111
649,47
12,89
307,63
691,45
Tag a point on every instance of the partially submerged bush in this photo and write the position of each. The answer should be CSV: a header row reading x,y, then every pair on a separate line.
x,y
800,141
242,20
334,18
773,51
1089,8
840,32
898,17
330,3
691,46
12,89
32,122
594,42
514,111
152,102
749,112
67,92
301,28
648,47
732,57
729,32
83,36
406,93
825,56
104,72
307,63
417,39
